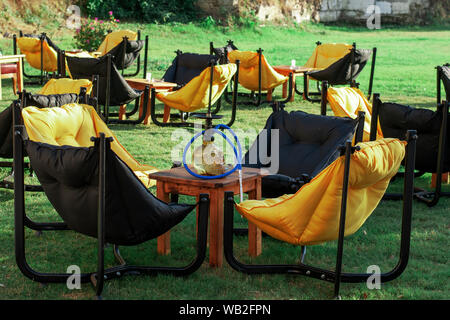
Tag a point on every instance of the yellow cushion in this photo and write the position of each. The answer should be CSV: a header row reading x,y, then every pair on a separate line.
x,y
195,94
31,48
311,215
65,85
326,54
112,39
74,125
347,102
249,71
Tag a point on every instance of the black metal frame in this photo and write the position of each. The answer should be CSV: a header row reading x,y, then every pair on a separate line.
x,y
259,101
106,114
208,116
439,78
336,276
431,198
43,75
306,93
101,274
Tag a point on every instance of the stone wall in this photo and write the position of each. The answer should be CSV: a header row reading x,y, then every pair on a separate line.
x,y
396,11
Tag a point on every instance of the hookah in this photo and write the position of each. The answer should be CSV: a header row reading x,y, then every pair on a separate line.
x,y
213,170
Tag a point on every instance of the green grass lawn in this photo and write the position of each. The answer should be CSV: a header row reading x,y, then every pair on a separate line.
x,y
404,73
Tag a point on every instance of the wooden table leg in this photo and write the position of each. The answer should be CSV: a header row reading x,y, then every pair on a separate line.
x,y
122,111
149,105
284,94
216,228
293,87
163,240
254,233
445,179
269,94
166,116
19,75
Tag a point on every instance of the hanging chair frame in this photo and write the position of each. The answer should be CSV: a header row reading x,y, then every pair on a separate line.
x,y
431,198
98,277
352,82
336,276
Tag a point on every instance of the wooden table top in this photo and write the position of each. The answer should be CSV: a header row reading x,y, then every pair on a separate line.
x,y
156,83
11,58
289,69
181,176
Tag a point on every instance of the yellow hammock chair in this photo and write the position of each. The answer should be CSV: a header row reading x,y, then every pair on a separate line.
x,y
31,48
347,102
249,71
334,204
195,95
74,125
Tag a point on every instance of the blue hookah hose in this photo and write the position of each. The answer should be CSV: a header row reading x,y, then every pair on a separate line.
x,y
237,153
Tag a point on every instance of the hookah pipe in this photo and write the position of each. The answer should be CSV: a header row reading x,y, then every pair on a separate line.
x,y
208,135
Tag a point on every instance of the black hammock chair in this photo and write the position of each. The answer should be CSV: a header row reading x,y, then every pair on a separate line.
x,y
98,195
127,52
27,99
307,143
342,72
111,88
433,151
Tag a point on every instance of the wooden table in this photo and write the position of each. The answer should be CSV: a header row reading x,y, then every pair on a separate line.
x,y
17,60
179,181
285,71
140,84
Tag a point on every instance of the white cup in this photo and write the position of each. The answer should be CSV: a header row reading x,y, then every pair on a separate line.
x,y
292,64
148,76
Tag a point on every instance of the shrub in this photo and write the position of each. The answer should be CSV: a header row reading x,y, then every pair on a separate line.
x,y
143,10
93,31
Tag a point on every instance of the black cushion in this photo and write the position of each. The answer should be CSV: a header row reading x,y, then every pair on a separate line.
x,y
187,66
69,177
395,119
120,91
222,53
132,51
308,143
340,71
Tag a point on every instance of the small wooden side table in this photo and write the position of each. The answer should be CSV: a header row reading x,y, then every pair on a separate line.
x,y
17,60
140,84
285,71
179,181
